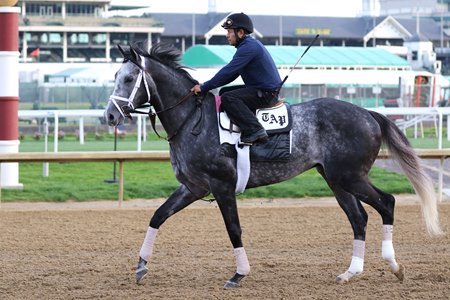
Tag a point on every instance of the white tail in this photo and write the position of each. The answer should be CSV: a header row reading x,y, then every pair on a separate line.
x,y
410,163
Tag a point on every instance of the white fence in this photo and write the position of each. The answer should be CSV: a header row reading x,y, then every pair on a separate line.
x,y
415,117
81,114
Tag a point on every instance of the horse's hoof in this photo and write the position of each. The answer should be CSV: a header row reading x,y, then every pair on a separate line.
x,y
141,270
140,274
233,282
345,277
400,274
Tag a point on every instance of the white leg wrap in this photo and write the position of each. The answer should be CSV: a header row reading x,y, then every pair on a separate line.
x,y
357,264
242,265
387,248
147,245
387,232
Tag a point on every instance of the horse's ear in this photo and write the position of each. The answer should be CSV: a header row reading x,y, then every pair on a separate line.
x,y
121,50
134,55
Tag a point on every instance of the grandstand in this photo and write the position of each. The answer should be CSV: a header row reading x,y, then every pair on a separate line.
x,y
352,60
88,30
62,31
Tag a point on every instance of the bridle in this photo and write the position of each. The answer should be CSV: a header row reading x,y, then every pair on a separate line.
x,y
128,108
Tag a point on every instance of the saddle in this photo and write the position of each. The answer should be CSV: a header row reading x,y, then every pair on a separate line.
x,y
277,121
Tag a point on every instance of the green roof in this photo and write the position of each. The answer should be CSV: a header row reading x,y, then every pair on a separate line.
x,y
208,56
213,56
67,72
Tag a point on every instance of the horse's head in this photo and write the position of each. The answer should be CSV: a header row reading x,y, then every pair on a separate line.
x,y
133,87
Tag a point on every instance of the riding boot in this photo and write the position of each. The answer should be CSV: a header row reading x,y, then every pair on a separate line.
x,y
258,136
251,130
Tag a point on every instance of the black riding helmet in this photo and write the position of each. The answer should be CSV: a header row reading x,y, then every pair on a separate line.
x,y
239,20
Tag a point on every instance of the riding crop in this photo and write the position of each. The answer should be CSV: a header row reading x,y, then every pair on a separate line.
x,y
304,52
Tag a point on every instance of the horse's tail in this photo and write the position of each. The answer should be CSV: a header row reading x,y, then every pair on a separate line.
x,y
401,150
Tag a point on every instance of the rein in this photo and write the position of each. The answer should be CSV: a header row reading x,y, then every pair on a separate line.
x,y
152,115
127,109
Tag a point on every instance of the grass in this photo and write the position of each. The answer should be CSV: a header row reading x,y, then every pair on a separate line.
x,y
91,144
85,181
55,105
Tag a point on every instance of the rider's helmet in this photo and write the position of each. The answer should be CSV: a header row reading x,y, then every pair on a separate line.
x,y
237,21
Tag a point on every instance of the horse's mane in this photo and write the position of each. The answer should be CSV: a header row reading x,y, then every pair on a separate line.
x,y
164,53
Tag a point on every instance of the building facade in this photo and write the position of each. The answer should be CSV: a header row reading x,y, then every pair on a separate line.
x,y
89,30
67,31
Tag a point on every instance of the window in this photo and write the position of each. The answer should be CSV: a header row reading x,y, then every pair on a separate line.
x,y
80,38
421,80
82,9
55,38
99,38
83,38
44,38
43,10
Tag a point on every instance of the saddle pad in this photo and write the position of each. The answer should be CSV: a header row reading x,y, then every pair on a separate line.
x,y
274,119
277,148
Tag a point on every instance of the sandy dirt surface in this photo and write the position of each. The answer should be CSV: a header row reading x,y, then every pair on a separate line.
x,y
296,247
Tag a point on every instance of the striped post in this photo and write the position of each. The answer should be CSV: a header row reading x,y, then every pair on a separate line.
x,y
9,90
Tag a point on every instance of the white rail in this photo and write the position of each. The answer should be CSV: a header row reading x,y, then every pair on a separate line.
x,y
81,114
440,112
423,112
122,156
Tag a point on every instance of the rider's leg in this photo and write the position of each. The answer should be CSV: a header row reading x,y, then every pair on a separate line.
x,y
240,105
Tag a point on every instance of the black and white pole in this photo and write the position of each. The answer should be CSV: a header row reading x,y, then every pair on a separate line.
x,y
114,179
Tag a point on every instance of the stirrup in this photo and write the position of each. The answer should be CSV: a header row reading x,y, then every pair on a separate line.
x,y
243,144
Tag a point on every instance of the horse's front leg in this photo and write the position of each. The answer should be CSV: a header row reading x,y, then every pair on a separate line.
x,y
179,199
226,200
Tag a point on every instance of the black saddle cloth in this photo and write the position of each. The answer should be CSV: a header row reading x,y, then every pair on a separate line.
x,y
277,148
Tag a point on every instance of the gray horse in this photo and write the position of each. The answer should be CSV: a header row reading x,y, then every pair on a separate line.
x,y
340,140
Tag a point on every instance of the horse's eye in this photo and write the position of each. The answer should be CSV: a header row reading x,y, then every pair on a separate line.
x,y
128,79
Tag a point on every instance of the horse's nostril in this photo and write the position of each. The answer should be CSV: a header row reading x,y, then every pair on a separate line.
x,y
111,117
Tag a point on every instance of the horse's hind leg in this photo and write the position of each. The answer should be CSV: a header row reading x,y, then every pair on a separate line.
x,y
384,205
358,219
179,199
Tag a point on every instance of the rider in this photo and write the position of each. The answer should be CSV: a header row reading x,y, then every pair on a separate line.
x,y
254,64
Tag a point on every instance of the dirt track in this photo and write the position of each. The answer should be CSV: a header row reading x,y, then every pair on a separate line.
x,y
295,247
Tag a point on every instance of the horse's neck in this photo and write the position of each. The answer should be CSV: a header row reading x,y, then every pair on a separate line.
x,y
171,87
200,118
174,103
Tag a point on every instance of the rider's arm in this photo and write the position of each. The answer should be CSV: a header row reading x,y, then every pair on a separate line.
x,y
232,70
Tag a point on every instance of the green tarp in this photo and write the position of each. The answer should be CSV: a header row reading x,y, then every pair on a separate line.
x,y
204,56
